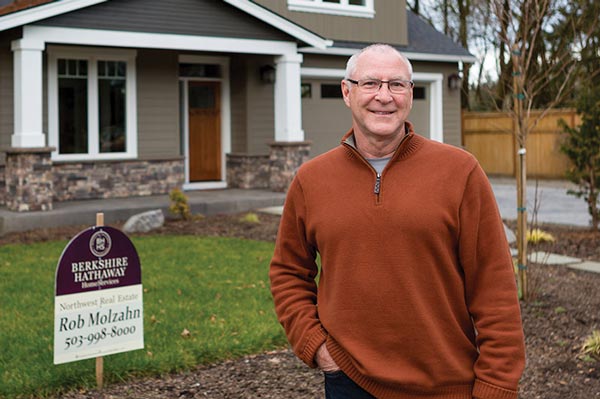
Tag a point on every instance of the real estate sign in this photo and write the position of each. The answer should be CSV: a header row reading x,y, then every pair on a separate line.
x,y
98,307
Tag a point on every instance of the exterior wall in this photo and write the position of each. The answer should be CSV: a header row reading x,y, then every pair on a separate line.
x,y
2,185
324,120
260,103
6,91
158,104
239,110
87,180
388,25
252,106
450,100
188,17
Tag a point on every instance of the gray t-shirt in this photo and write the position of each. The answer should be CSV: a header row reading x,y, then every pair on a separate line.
x,y
379,163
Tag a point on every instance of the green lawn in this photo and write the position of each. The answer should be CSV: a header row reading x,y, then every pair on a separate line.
x,y
216,288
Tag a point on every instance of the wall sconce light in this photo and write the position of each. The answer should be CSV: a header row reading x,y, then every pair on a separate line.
x,y
267,74
454,81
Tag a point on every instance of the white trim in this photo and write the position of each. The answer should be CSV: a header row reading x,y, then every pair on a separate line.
x,y
225,117
204,186
436,107
98,37
44,11
322,73
288,100
281,23
92,55
344,8
435,80
412,56
27,94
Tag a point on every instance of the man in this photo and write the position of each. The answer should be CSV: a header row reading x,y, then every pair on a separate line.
x,y
416,296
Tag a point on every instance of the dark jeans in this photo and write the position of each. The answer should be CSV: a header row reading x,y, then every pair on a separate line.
x,y
339,386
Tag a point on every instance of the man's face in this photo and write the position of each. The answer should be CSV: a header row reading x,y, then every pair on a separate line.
x,y
378,115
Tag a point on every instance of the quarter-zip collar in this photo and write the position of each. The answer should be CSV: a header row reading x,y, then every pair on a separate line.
x,y
407,145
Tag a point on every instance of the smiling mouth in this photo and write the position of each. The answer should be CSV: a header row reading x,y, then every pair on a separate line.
x,y
382,112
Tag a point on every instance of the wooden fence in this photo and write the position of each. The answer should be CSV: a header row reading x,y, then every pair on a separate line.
x,y
489,136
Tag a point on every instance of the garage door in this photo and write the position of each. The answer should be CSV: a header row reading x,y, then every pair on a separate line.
x,y
325,117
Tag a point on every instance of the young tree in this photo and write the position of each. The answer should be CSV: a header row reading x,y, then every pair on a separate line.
x,y
523,29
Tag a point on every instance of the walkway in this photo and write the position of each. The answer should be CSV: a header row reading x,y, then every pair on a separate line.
x,y
555,206
207,202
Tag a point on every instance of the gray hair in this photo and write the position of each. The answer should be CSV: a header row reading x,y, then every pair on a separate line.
x,y
352,61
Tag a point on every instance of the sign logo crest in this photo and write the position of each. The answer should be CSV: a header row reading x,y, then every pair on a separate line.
x,y
100,243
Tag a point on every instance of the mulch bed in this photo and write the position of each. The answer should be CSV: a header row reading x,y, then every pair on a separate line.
x,y
564,310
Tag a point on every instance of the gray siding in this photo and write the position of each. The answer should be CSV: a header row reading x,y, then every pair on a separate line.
x,y
252,107
324,120
188,17
388,26
239,112
260,105
6,93
450,100
158,104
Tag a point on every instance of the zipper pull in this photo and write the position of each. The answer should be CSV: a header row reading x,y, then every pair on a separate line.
x,y
377,184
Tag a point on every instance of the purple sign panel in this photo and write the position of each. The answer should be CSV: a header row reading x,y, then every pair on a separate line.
x,y
98,258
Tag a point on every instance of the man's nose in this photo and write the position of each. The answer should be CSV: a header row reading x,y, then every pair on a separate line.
x,y
384,94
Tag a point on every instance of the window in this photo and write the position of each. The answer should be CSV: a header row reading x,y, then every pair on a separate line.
x,y
419,93
352,8
92,106
331,91
306,90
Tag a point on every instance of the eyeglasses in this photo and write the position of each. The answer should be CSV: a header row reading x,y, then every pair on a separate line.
x,y
396,86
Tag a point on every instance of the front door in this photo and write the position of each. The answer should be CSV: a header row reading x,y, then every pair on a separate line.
x,y
204,116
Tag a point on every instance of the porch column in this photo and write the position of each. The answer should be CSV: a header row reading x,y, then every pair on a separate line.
x,y
289,150
28,130
288,107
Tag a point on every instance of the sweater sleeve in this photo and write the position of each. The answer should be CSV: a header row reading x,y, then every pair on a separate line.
x,y
292,273
490,291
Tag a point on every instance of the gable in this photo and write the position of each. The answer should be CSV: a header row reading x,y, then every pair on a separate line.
x,y
187,17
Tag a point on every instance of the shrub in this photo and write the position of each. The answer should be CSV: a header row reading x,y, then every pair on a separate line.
x,y
538,236
581,147
250,217
591,346
179,204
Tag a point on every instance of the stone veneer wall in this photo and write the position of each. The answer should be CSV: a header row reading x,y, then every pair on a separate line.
x,y
114,179
248,171
28,179
2,186
285,159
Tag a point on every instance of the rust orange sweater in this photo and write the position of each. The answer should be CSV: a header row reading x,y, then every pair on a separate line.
x,y
416,296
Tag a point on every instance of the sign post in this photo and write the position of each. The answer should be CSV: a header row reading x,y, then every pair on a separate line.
x,y
98,306
100,359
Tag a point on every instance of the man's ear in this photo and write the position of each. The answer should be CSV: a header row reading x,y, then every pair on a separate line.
x,y
346,91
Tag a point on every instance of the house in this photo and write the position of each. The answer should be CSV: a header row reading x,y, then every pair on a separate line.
x,y
117,98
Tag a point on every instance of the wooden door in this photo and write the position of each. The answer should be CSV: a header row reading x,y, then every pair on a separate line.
x,y
204,116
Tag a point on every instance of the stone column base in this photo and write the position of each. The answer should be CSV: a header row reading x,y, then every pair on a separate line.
x,y
248,171
28,179
285,159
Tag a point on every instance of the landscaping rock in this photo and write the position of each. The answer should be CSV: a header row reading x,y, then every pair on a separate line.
x,y
144,222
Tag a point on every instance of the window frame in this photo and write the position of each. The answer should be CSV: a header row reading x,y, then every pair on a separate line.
x,y
344,8
92,56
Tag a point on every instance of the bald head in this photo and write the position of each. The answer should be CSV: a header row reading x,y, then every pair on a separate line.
x,y
381,48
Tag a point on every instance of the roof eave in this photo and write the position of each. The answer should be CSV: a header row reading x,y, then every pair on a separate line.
x,y
29,15
281,23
